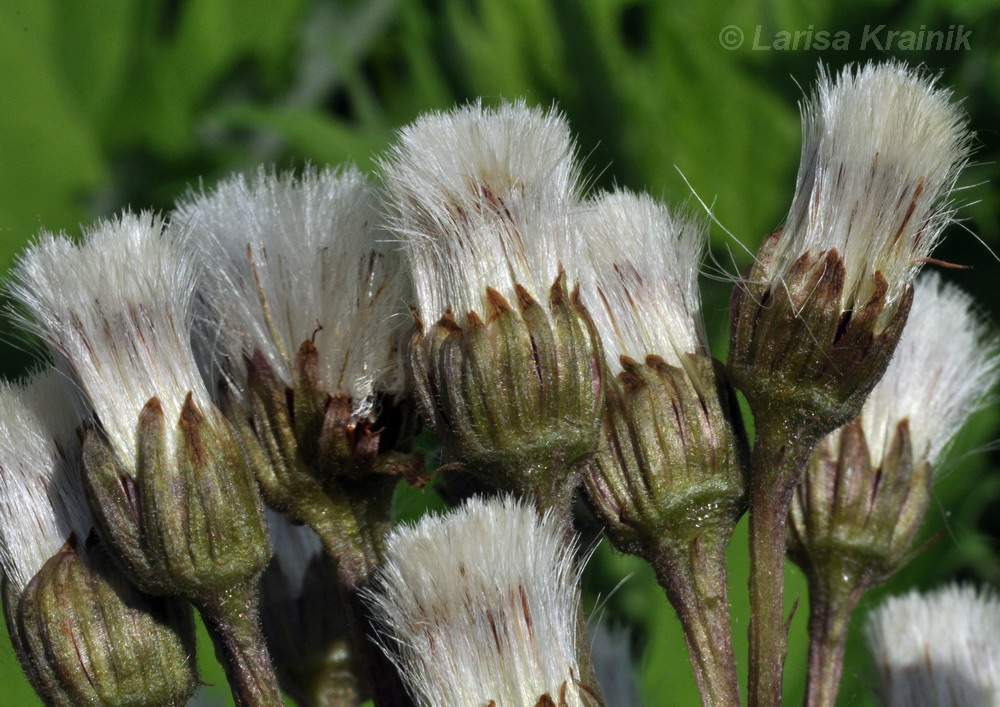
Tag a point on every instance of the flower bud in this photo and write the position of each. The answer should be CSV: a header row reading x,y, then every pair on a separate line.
x,y
479,607
668,475
670,466
860,505
504,357
82,632
307,294
814,323
94,638
172,489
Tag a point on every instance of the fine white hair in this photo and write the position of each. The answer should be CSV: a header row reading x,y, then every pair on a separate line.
x,y
882,148
41,499
117,308
480,606
640,278
945,366
941,648
481,197
291,258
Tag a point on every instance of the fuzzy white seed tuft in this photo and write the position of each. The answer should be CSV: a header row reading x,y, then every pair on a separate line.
x,y
480,198
295,258
480,605
640,278
117,309
941,648
882,148
946,364
41,501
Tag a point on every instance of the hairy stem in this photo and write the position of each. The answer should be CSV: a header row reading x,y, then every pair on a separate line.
x,y
829,619
357,551
779,456
233,622
551,486
694,579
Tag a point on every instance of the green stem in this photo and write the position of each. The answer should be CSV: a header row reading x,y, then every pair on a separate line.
x,y
233,622
551,487
694,579
779,456
829,619
357,549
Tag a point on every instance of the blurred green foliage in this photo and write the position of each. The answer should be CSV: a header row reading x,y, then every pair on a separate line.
x,y
110,104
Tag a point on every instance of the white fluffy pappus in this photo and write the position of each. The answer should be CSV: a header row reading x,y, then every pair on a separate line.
x,y
882,148
945,366
479,606
639,277
941,648
297,257
41,500
481,198
117,308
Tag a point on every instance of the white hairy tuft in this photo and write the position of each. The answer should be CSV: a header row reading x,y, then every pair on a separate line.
x,y
882,148
639,280
292,258
481,198
945,366
941,648
295,548
41,500
480,606
117,308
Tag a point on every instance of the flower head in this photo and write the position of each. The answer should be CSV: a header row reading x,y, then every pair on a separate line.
x,y
300,258
83,634
668,464
858,509
480,607
815,322
940,648
667,477
504,358
116,309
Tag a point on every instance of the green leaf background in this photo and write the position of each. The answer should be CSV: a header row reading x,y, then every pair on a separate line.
x,y
108,104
